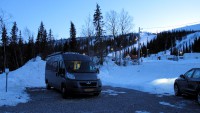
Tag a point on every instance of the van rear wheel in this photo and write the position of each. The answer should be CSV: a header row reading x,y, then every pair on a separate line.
x,y
48,87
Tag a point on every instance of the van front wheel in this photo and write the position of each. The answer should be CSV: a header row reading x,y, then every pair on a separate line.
x,y
64,95
97,94
198,98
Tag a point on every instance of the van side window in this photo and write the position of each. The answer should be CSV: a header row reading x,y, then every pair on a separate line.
x,y
55,66
62,66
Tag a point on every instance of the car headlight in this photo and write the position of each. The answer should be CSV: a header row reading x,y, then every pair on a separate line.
x,y
70,76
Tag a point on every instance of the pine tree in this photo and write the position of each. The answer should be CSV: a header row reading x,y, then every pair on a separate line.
x,y
21,51
39,39
44,45
73,42
4,36
50,39
13,45
4,39
41,42
66,46
30,49
98,23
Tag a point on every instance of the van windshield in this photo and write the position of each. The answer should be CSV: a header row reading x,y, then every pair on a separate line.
x,y
80,66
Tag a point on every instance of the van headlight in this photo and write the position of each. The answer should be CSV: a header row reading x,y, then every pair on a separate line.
x,y
70,76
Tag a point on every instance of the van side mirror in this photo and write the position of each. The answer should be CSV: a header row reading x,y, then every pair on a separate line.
x,y
97,70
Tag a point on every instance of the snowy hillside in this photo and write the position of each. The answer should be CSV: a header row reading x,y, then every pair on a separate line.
x,y
144,37
152,76
195,27
189,39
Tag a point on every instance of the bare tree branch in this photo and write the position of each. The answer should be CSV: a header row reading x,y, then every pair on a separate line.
x,y
88,28
4,17
125,22
112,21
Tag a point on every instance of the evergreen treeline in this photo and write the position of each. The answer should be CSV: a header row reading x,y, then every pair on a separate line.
x,y
196,45
15,51
18,52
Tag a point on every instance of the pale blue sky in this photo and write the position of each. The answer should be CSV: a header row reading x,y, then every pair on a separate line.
x,y
57,14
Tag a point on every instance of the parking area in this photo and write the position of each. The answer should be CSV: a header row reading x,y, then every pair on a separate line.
x,y
111,100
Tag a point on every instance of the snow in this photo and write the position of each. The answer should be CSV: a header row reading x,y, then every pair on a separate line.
x,y
144,38
177,105
191,56
30,75
166,104
189,39
195,27
152,76
141,112
112,92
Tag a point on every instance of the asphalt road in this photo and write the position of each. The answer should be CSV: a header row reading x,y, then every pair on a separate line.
x,y
111,100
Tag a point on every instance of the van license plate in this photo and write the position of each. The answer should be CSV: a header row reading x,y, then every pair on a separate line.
x,y
88,90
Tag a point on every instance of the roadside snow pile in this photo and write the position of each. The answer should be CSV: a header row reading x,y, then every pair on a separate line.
x,y
30,75
154,76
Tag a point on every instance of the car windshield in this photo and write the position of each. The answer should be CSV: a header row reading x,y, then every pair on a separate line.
x,y
80,66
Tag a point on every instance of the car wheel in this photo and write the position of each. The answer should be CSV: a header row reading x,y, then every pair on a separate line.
x,y
198,98
177,90
48,87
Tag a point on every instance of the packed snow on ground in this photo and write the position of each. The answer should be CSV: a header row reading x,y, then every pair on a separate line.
x,y
141,112
166,104
153,76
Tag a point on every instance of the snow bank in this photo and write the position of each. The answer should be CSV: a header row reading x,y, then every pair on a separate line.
x,y
30,75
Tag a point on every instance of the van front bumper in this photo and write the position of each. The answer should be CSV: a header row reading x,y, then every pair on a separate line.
x,y
84,87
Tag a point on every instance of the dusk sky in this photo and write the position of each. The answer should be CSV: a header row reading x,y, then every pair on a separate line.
x,y
57,14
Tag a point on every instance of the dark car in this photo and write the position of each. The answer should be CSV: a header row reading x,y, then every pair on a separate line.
x,y
189,83
72,73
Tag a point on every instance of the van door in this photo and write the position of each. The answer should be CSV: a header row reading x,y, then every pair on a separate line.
x,y
60,74
54,73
